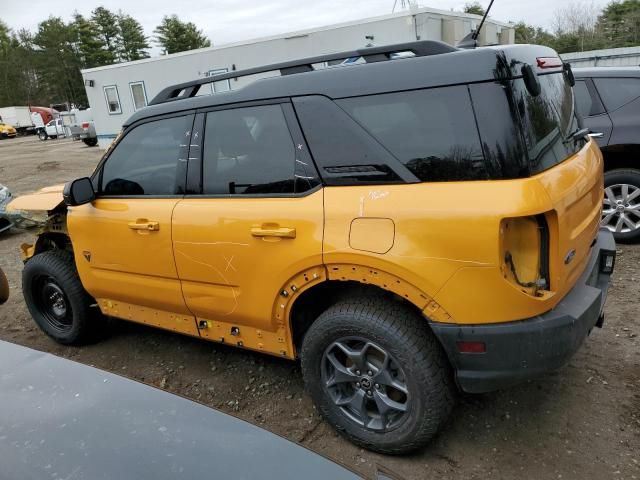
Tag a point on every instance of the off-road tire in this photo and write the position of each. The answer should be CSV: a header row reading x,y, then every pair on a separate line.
x,y
59,265
405,335
90,142
627,176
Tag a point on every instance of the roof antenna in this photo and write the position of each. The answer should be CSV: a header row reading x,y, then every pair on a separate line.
x,y
471,39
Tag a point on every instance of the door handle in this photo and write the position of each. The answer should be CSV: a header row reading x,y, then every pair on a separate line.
x,y
145,225
273,231
596,135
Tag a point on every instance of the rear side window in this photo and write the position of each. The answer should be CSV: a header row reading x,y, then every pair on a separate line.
x,y
432,132
616,92
145,161
248,151
547,119
584,102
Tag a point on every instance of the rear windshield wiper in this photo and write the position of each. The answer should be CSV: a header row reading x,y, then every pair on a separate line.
x,y
576,135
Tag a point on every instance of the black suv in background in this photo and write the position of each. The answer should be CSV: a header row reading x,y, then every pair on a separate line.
x,y
608,98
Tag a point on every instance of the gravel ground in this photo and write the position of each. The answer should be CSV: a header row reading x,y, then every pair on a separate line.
x,y
582,421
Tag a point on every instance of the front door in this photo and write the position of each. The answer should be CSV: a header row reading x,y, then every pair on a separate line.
x,y
256,225
122,240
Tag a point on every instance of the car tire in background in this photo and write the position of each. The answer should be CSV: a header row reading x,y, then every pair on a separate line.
x,y
621,208
90,142
42,135
377,374
57,300
4,288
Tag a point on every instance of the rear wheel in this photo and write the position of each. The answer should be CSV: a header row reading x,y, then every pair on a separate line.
x,y
42,135
56,299
621,204
90,142
377,374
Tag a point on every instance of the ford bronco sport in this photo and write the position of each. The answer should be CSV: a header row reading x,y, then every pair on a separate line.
x,y
405,225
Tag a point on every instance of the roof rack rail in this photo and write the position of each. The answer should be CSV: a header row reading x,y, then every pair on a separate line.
x,y
369,54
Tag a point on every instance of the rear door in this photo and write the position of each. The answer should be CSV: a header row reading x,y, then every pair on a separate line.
x,y
621,98
591,108
253,226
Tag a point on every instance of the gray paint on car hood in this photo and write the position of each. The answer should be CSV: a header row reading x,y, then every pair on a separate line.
x,y
63,420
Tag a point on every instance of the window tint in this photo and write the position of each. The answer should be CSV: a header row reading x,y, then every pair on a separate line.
x,y
145,162
113,99
584,102
547,120
432,132
138,95
616,92
248,151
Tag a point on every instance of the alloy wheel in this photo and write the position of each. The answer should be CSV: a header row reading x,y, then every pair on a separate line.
x,y
621,208
366,383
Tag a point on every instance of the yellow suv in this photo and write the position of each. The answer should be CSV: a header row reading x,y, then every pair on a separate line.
x,y
418,220
7,131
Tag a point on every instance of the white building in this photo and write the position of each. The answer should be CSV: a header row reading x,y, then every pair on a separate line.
x,y
116,91
609,57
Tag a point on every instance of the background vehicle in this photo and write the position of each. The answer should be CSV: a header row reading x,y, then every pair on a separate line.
x,y
356,217
5,198
609,100
79,124
18,117
53,129
76,421
7,131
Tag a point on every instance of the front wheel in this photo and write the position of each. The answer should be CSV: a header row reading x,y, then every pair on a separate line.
x,y
42,135
56,298
621,204
377,374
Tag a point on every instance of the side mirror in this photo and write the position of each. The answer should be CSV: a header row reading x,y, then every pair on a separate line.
x,y
78,192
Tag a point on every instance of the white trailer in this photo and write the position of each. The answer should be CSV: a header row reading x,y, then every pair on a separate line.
x,y
18,117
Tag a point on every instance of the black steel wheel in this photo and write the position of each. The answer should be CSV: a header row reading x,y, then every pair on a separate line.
x,y
377,374
57,300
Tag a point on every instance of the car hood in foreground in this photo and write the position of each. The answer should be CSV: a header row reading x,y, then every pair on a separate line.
x,y
61,419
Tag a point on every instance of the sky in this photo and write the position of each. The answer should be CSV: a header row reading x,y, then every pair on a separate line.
x,y
227,21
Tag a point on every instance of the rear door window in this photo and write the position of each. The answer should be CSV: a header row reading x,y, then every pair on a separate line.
x,y
432,132
584,102
248,151
616,92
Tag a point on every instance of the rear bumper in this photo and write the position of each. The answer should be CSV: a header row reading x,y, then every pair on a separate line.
x,y
517,351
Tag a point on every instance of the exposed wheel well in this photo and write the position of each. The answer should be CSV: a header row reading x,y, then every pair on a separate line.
x,y
52,241
621,156
311,303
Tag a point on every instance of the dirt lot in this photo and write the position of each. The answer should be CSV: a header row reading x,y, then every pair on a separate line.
x,y
580,422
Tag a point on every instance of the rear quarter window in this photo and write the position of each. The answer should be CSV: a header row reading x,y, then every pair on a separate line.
x,y
432,132
616,92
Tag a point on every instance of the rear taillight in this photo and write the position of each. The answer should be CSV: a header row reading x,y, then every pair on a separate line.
x,y
549,62
85,125
525,253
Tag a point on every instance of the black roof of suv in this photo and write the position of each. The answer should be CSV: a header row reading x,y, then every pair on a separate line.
x,y
444,64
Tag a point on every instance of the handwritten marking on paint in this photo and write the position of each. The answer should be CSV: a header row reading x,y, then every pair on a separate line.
x,y
361,206
378,194
229,263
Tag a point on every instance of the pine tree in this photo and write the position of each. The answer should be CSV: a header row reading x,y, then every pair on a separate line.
x,y
89,45
132,44
174,35
108,30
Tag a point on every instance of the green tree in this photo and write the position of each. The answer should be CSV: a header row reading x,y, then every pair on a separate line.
x,y
90,46
58,63
619,23
132,42
535,35
474,8
174,35
108,30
